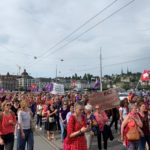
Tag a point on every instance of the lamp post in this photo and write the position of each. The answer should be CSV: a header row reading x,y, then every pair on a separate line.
x,y
57,68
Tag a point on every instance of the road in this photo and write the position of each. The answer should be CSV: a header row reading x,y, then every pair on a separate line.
x,y
41,143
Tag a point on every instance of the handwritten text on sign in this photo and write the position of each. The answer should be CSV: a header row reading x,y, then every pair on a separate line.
x,y
107,99
58,89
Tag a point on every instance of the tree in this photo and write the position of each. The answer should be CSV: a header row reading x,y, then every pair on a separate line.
x,y
85,77
89,77
76,76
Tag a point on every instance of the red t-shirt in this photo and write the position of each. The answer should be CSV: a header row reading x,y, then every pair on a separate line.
x,y
5,126
78,142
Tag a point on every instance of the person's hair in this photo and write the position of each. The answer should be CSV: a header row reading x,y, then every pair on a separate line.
x,y
23,104
140,104
16,100
78,104
72,105
132,106
4,104
121,103
89,107
65,102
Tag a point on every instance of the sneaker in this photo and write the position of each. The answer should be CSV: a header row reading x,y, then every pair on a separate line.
x,y
40,128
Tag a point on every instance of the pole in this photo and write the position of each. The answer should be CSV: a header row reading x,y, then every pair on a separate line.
x,y
100,60
137,85
56,71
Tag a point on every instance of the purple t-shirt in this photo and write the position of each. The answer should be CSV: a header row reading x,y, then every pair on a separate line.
x,y
64,113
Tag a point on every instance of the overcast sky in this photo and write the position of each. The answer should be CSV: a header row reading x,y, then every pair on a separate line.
x,y
30,30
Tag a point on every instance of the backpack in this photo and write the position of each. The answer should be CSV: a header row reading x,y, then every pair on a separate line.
x,y
133,132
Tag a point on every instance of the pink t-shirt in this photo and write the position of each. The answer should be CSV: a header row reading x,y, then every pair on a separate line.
x,y
101,119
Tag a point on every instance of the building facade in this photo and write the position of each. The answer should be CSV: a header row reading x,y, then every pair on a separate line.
x,y
9,82
25,81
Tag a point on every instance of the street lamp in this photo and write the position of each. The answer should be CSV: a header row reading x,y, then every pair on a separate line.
x,y
57,68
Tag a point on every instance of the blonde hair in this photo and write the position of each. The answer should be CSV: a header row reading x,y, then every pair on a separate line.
x,y
78,104
3,105
23,105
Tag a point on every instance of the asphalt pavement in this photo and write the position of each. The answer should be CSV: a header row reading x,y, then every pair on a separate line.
x,y
41,142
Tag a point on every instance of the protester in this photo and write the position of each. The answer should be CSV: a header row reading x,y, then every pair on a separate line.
x,y
57,105
54,105
7,127
70,112
39,110
25,133
101,119
143,114
33,106
63,120
130,129
15,107
123,110
90,118
50,125
76,129
115,118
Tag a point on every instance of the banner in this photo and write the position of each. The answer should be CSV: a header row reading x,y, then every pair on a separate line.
x,y
73,83
58,89
107,99
145,75
48,87
2,90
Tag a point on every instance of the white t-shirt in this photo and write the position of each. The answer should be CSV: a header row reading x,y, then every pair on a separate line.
x,y
68,116
124,111
24,119
39,109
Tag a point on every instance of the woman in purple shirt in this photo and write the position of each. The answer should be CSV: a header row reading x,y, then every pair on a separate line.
x,y
62,117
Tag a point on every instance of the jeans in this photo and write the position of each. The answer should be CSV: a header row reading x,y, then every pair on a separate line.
x,y
8,142
57,122
114,120
62,130
143,141
21,142
39,120
134,145
89,139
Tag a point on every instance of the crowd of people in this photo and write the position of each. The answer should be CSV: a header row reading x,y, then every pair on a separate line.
x,y
76,119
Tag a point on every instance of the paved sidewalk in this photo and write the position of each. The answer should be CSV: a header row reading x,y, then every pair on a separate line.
x,y
57,144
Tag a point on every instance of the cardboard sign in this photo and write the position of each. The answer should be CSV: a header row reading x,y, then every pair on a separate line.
x,y
58,89
107,99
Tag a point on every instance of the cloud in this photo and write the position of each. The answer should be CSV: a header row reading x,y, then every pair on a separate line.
x,y
29,28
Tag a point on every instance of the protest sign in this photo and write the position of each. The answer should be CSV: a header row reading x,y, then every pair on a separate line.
x,y
58,89
107,99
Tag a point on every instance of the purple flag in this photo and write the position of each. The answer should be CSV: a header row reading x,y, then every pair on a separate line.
x,y
97,84
49,87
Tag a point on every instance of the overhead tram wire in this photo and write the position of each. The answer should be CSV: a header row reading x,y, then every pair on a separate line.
x,y
13,52
100,22
103,20
81,26
115,64
78,28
